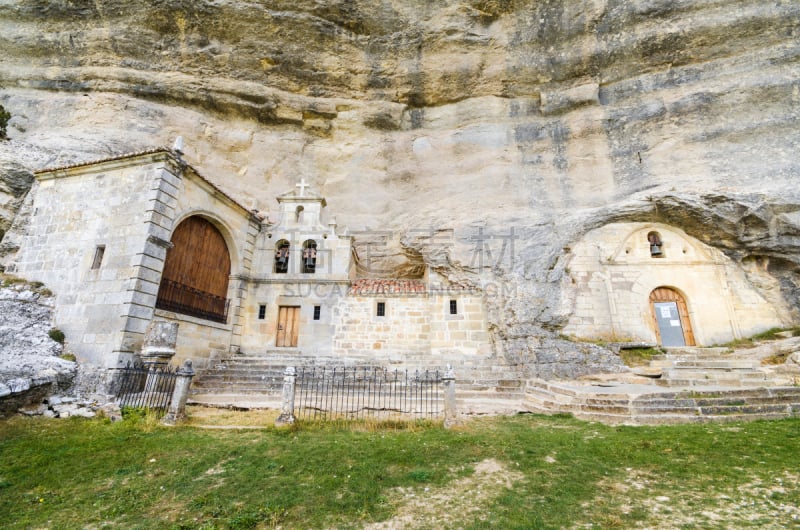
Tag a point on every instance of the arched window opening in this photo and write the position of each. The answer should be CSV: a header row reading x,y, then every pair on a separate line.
x,y
310,256
656,245
298,213
196,272
282,257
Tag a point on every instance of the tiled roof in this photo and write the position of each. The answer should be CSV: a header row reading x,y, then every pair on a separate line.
x,y
368,286
142,153
107,159
371,286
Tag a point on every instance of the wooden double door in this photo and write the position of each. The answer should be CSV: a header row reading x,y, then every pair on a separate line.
x,y
288,326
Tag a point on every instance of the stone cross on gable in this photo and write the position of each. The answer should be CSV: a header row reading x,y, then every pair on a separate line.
x,y
302,185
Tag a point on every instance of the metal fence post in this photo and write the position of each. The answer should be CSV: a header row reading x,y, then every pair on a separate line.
x,y
177,408
287,398
450,410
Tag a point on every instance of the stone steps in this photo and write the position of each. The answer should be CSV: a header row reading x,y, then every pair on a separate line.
x,y
635,404
257,379
717,364
692,367
697,351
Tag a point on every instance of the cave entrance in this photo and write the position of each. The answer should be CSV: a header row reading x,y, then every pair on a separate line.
x,y
673,327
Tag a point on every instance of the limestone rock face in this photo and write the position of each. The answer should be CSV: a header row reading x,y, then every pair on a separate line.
x,y
484,136
30,366
15,183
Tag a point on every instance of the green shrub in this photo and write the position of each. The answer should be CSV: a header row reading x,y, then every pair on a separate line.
x,y
639,356
57,335
9,280
776,333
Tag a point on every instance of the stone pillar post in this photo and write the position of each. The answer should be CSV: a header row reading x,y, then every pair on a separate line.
x,y
159,343
177,407
287,398
450,410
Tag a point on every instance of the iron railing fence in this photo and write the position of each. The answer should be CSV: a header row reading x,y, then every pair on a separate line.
x,y
330,393
146,387
175,296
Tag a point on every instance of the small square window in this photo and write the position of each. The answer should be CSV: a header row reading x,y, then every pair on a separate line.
x,y
262,311
453,307
99,251
317,312
381,309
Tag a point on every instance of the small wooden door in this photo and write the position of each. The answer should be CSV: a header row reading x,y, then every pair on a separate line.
x,y
288,326
672,317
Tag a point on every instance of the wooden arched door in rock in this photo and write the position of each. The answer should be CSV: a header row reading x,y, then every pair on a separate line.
x,y
673,326
196,272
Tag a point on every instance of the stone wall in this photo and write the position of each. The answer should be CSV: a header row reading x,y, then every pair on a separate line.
x,y
416,328
465,331
404,330
88,239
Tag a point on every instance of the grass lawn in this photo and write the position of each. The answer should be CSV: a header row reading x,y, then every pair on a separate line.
x,y
523,471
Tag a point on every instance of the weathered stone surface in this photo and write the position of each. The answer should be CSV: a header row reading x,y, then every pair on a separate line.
x,y
159,342
495,122
15,180
29,364
550,358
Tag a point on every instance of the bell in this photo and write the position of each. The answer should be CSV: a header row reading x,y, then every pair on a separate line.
x,y
655,250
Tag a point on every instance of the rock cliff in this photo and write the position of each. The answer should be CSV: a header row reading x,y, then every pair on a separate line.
x,y
486,135
31,365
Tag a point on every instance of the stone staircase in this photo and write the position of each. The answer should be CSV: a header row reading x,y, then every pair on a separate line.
x,y
691,367
642,404
256,380
684,385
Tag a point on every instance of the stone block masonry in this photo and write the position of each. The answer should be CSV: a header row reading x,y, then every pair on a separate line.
x,y
99,235
360,332
413,323
88,240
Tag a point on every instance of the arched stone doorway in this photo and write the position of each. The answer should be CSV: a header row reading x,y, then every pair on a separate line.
x,y
196,272
673,327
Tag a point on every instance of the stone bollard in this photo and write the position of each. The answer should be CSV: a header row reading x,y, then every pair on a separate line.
x,y
287,398
177,407
450,409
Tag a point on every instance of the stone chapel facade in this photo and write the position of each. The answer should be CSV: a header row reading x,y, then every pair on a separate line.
x,y
653,283
142,237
